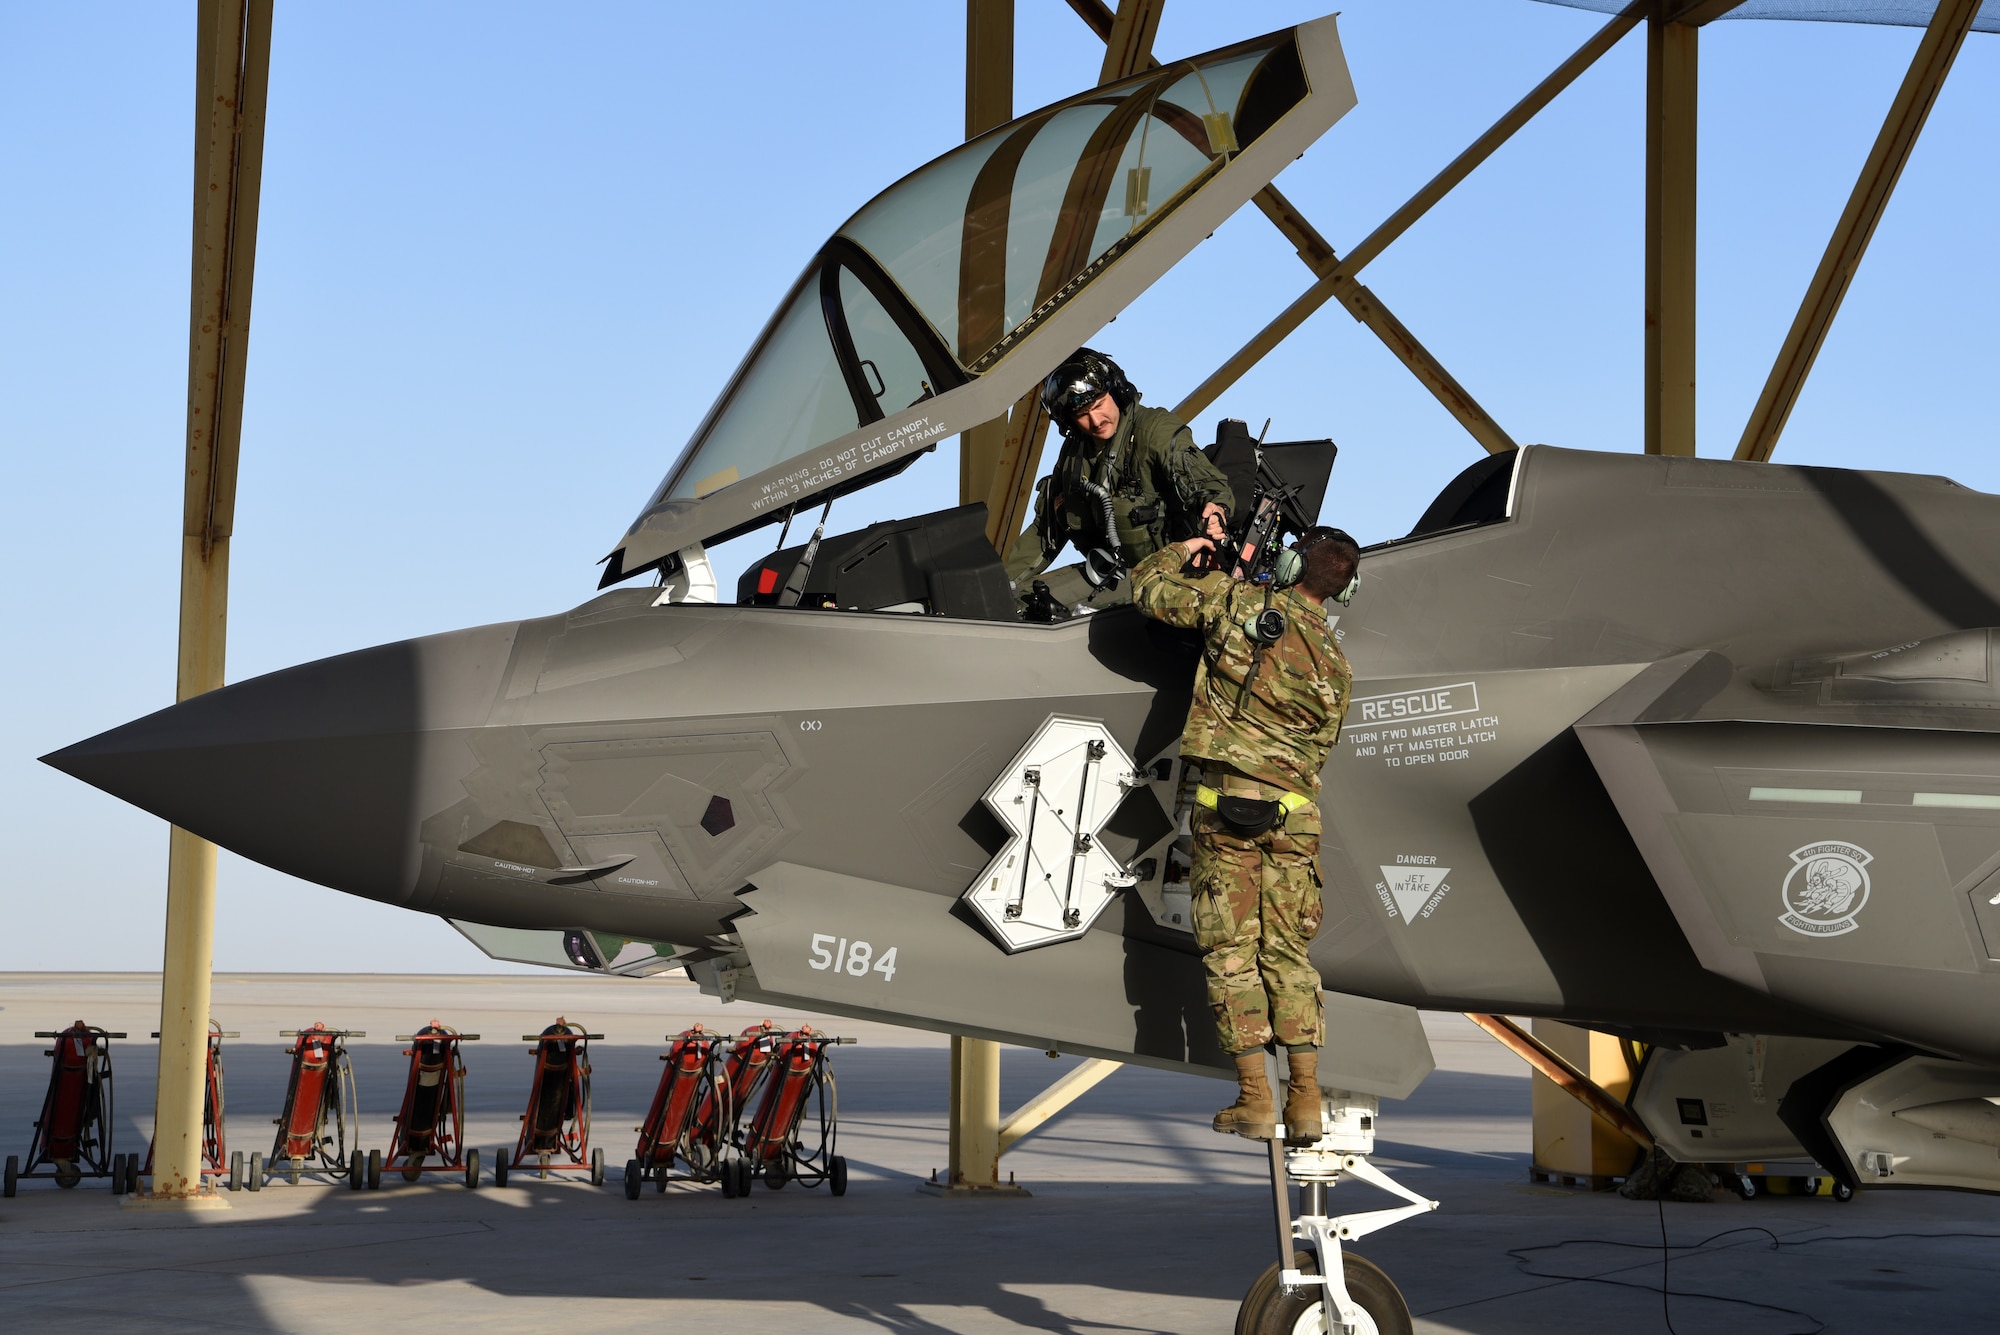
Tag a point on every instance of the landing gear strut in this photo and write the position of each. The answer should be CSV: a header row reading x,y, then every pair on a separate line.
x,y
1318,1288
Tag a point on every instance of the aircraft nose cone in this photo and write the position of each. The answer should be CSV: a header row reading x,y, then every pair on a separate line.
x,y
323,770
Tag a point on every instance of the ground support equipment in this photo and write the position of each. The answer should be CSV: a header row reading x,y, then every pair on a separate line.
x,y
558,1118
319,1094
692,1079
745,1064
1790,1177
73,1134
214,1143
778,1144
1317,1287
431,1124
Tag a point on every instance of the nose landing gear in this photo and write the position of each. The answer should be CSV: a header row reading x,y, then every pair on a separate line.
x,y
1320,1288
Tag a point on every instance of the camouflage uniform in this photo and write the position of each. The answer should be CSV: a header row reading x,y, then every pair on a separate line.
x,y
1158,480
1257,897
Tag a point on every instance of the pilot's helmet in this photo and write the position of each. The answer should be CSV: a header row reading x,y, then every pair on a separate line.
x,y
1081,381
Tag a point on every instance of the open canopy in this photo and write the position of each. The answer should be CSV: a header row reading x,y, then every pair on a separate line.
x,y
948,295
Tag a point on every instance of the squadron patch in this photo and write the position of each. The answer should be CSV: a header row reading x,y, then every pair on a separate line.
x,y
1826,889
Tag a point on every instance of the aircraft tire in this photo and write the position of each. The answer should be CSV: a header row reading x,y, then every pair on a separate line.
x,y
1267,1310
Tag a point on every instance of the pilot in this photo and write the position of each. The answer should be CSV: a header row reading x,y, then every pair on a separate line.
x,y
1127,479
1269,696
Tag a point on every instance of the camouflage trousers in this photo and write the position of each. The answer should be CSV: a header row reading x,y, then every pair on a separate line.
x,y
1256,910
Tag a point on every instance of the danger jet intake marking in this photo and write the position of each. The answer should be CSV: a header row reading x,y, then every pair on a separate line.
x,y
1411,892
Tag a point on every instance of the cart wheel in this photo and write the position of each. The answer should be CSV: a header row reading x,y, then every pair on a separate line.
x,y
1841,1191
413,1167
13,1182
117,1175
633,1180
67,1174
1745,1186
597,1168
725,1173
357,1171
374,1170
236,1171
131,1173
500,1169
836,1175
774,1172
472,1169
256,1182
660,1181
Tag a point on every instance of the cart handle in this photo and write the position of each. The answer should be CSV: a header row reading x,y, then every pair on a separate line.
x,y
322,1033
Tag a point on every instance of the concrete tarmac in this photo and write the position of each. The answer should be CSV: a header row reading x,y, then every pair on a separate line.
x,y
1141,1218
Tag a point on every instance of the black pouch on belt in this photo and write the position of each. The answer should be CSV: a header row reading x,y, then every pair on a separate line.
x,y
1247,815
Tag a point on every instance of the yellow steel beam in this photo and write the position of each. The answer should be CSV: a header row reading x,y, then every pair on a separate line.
x,y
1092,1072
1128,47
989,102
1336,275
1672,79
1482,148
1128,50
233,63
1907,113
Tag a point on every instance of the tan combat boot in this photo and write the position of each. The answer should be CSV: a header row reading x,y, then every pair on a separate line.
x,y
1252,1114
1302,1105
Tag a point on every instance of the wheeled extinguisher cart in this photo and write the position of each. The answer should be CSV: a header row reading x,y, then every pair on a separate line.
x,y
430,1129
691,1082
556,1125
73,1134
214,1139
319,1107
791,1132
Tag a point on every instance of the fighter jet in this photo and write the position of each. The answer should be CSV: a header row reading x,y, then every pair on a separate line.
x,y
1696,752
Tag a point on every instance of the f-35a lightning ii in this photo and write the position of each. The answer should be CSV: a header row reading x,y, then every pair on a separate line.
x,y
1696,752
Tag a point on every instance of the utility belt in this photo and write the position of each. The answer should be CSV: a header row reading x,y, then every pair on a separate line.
x,y
1249,815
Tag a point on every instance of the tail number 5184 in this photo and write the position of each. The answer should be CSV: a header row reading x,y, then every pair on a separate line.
x,y
857,958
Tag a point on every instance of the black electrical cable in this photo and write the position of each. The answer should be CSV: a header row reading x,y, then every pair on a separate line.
x,y
1522,1262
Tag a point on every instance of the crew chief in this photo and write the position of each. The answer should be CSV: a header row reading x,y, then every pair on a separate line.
x,y
1267,709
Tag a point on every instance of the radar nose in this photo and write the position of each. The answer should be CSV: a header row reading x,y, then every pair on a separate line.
x,y
320,770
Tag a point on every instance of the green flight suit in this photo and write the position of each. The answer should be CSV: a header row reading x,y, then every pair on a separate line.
x,y
1158,480
1257,904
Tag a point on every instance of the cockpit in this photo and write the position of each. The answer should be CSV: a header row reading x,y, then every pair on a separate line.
x,y
944,299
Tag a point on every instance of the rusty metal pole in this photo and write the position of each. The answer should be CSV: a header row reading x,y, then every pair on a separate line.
x,y
233,64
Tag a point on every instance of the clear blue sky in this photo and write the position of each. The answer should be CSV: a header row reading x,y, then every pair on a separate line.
x,y
508,254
